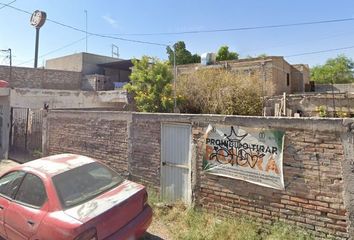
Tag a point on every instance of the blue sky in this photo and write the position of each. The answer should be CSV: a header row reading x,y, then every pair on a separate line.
x,y
151,16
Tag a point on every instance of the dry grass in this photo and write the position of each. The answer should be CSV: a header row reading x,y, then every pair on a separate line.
x,y
221,92
192,224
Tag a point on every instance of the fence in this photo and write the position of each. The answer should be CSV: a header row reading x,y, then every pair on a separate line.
x,y
318,156
25,133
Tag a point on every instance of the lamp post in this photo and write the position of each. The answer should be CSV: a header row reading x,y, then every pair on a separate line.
x,y
37,20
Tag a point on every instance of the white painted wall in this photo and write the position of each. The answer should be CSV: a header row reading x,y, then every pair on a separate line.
x,y
36,98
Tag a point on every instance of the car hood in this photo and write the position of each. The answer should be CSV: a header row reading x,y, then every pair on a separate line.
x,y
104,202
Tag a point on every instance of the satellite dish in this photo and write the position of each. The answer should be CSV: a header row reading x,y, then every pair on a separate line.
x,y
38,18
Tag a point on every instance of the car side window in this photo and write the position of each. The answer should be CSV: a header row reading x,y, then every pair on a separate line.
x,y
31,191
10,182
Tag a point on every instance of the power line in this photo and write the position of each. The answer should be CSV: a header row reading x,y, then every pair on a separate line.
x,y
321,51
238,29
7,4
187,32
92,34
53,51
183,32
18,9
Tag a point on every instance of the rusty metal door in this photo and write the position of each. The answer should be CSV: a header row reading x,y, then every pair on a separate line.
x,y
176,162
25,133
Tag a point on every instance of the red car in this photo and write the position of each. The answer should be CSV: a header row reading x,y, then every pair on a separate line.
x,y
72,197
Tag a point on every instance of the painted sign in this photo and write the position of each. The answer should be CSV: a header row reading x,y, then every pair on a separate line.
x,y
250,154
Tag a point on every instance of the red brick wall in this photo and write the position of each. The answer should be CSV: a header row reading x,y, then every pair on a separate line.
x,y
94,136
313,196
145,162
41,78
314,176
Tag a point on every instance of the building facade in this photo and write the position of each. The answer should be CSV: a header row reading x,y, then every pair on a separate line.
x,y
276,74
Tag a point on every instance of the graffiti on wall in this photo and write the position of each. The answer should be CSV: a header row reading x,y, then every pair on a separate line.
x,y
250,154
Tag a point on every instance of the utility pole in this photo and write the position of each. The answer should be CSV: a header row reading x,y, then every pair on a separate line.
x,y
174,80
10,58
263,82
86,27
334,104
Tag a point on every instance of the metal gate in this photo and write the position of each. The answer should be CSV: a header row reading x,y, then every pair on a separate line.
x,y
25,134
176,162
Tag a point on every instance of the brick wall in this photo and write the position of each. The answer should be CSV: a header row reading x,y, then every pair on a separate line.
x,y
90,134
313,197
145,161
41,78
318,189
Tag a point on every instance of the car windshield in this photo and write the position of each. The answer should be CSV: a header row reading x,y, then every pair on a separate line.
x,y
83,183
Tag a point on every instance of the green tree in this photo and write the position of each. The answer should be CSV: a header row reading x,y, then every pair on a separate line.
x,y
339,69
183,56
224,54
262,55
151,85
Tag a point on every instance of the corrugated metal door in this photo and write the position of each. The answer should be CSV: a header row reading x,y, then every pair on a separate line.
x,y
175,162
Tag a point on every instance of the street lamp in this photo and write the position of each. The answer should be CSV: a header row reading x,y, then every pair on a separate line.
x,y
37,20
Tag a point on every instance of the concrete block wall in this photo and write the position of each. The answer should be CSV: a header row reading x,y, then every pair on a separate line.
x,y
41,78
318,156
309,102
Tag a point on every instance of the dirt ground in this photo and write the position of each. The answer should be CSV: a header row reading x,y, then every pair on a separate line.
x,y
157,231
6,164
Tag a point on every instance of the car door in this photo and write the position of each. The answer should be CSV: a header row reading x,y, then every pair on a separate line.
x,y
9,184
25,213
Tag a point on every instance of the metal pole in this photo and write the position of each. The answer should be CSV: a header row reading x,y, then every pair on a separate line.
x,y
36,48
10,57
174,80
10,53
11,126
334,104
263,82
26,130
86,27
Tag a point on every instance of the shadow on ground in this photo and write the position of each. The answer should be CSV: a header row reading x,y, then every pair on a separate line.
x,y
149,236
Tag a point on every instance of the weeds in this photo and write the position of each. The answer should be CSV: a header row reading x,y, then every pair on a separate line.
x,y
185,223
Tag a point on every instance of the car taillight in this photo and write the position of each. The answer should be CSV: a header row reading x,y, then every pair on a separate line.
x,y
145,199
90,234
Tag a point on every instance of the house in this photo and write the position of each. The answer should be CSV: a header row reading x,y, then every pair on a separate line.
x,y
277,75
69,82
99,73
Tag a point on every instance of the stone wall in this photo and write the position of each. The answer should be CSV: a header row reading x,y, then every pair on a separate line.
x,y
41,78
317,193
